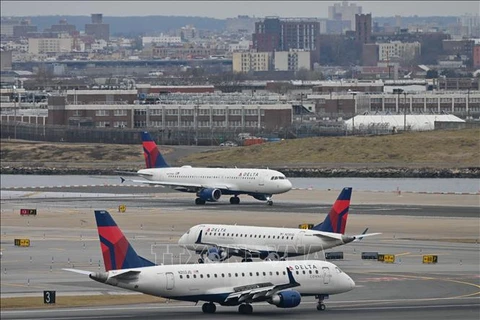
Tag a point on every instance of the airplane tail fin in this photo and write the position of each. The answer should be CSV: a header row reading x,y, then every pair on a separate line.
x,y
117,251
336,220
153,157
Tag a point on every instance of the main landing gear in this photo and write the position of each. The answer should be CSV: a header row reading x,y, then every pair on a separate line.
x,y
234,200
209,307
269,201
320,305
199,201
245,309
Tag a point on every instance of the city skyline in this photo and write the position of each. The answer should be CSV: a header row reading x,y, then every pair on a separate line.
x,y
231,9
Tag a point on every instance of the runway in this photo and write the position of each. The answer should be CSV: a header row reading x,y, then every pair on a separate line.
x,y
63,235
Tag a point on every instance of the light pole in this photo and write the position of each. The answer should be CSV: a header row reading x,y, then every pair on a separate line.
x,y
404,111
15,97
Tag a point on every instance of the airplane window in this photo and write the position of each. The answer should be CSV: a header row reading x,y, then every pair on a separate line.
x,y
258,274
250,236
271,178
282,237
188,277
181,277
255,236
303,271
236,274
223,275
243,274
228,234
271,273
215,275
223,234
208,275
264,274
251,274
316,271
284,273
264,236
201,276
278,273
291,238
195,276
310,271
215,234
268,237
236,235
229,275
297,272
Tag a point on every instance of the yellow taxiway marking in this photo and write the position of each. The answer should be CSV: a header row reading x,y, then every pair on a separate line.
x,y
402,254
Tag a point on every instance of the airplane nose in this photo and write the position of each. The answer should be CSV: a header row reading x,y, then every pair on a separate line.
x,y
288,185
182,240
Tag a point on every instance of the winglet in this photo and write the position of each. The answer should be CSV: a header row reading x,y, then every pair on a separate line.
x,y
122,179
199,239
291,279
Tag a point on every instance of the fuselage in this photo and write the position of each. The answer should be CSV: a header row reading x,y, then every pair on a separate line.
x,y
284,241
228,180
214,282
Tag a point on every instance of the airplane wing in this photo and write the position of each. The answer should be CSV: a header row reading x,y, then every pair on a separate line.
x,y
239,249
178,185
260,291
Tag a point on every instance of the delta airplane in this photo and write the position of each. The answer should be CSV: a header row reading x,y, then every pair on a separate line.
x,y
281,283
220,242
210,184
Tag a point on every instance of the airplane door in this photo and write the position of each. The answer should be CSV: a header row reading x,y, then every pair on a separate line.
x,y
326,275
299,242
170,280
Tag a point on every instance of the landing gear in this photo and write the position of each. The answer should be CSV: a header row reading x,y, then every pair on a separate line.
x,y
199,201
245,309
209,307
234,200
320,305
247,260
269,202
200,260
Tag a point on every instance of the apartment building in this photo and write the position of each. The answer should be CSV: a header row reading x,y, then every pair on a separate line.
x,y
398,51
50,45
292,60
251,61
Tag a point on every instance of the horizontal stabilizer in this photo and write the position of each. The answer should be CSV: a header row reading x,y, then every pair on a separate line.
x,y
78,271
361,236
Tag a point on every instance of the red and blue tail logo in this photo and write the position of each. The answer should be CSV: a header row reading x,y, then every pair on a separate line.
x,y
336,221
153,157
117,251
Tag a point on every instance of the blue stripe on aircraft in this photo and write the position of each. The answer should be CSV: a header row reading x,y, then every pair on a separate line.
x,y
111,247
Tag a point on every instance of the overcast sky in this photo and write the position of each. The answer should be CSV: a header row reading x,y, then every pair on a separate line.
x,y
225,9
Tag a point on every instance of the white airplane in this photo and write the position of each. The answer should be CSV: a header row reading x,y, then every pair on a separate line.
x,y
281,283
220,242
210,184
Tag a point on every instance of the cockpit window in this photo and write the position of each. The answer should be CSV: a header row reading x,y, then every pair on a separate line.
x,y
338,270
278,178
188,231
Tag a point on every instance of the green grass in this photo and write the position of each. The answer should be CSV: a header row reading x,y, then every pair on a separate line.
x,y
433,148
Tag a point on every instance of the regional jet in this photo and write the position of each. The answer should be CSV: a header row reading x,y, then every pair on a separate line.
x,y
209,184
220,242
280,283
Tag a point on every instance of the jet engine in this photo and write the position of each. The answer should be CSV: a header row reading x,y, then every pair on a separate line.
x,y
209,194
215,254
286,299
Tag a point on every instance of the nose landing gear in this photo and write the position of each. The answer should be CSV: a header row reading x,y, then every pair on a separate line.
x,y
320,305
